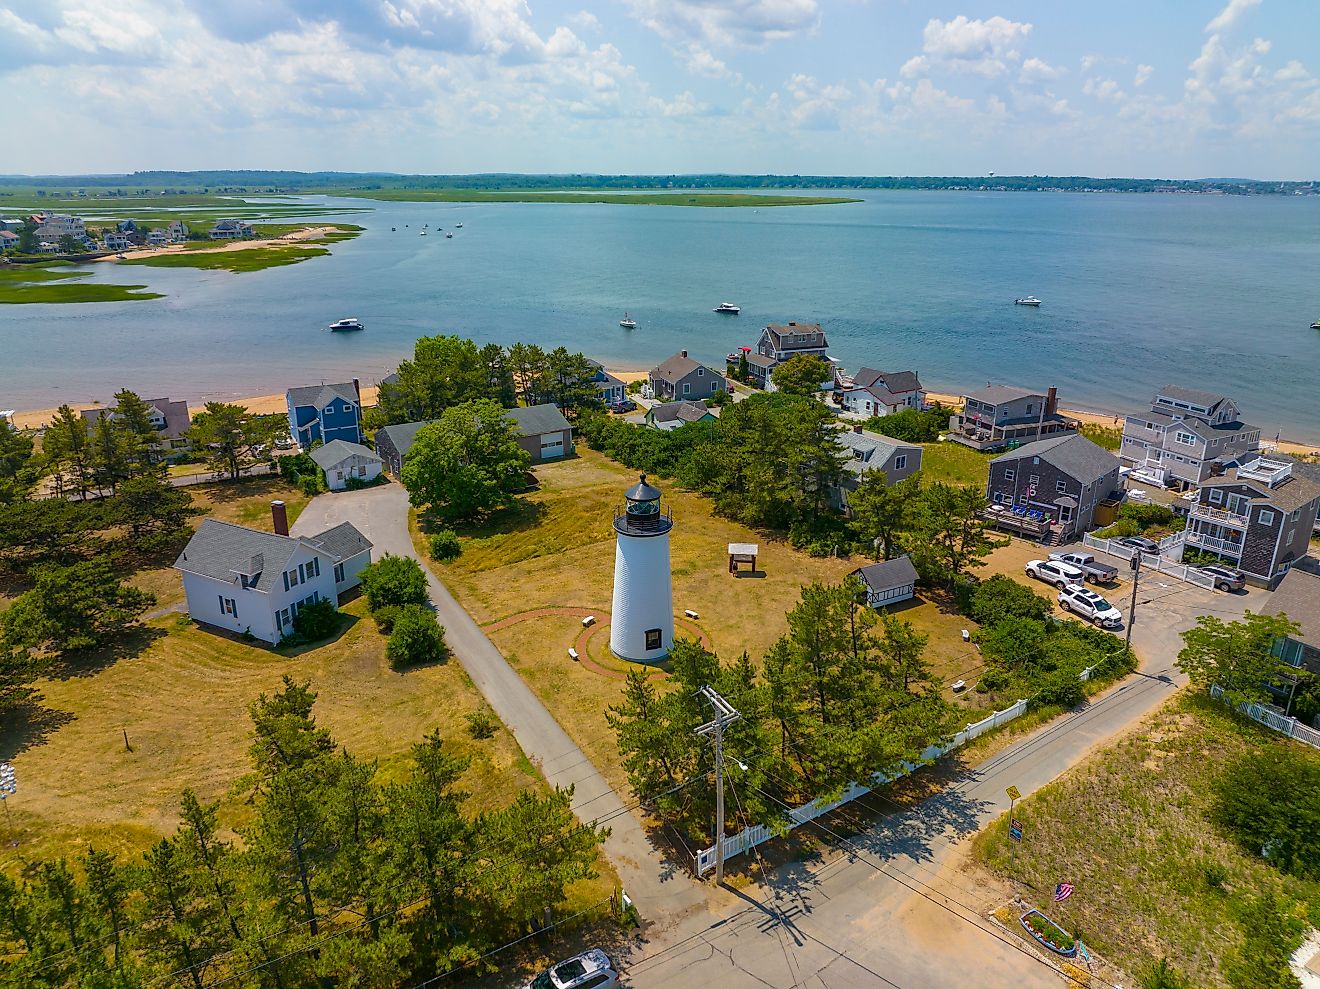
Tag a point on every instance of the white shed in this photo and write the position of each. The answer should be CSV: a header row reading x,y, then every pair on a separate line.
x,y
888,583
341,460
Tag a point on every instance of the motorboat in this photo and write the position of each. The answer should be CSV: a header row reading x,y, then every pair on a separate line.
x,y
1030,300
628,323
729,308
449,236
422,234
391,230
1316,325
346,324
459,227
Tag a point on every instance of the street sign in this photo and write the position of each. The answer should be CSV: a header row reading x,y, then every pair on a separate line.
x,y
1014,793
1015,831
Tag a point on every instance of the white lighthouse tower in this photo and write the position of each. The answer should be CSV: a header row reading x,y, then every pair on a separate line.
x,y
642,622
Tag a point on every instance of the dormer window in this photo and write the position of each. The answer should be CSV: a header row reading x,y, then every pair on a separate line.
x,y
329,410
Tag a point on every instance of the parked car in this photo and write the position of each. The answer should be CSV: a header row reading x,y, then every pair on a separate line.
x,y
1086,603
1095,571
627,405
285,442
1054,572
1141,543
1226,578
589,970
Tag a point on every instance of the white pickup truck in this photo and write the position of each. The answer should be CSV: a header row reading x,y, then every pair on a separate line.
x,y
1095,571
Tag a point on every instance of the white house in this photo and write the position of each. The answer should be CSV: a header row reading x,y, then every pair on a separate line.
x,y
177,232
881,393
115,241
158,238
342,460
888,583
246,580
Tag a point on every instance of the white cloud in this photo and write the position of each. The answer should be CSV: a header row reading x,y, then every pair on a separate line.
x,y
1038,70
914,66
585,20
1230,15
980,46
682,105
1142,76
700,61
724,23
1105,90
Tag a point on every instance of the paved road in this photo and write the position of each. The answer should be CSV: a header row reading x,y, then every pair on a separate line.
x,y
896,912
381,514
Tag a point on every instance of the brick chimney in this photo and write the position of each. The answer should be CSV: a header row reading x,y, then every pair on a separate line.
x,y
1051,401
357,390
279,518
857,428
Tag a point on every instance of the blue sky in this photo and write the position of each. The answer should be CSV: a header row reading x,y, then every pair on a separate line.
x,y
1179,88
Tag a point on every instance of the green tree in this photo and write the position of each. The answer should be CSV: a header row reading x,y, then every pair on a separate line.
x,y
468,464
415,639
52,529
67,444
1014,642
742,373
394,580
881,511
802,374
18,468
1236,656
1272,932
133,417
113,453
999,597
902,651
155,512
568,382
528,364
1271,800
73,608
948,534
69,244
912,425
445,371
499,375
184,931
27,238
231,438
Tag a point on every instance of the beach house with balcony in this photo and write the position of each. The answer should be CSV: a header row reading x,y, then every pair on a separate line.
x,y
1185,437
1258,516
778,342
999,416
322,413
880,393
231,230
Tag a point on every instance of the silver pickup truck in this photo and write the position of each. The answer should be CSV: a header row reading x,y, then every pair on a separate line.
x,y
1095,571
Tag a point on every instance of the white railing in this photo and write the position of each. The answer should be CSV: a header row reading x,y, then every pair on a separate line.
x,y
1175,542
1199,511
1273,719
1213,544
749,838
1150,561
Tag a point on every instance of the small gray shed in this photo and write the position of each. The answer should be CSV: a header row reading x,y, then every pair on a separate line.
x,y
888,583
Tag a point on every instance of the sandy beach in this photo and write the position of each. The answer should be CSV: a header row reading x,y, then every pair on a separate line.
x,y
268,404
308,233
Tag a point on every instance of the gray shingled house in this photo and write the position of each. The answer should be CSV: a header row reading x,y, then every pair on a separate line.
x,y
1185,436
1063,478
866,451
681,377
542,431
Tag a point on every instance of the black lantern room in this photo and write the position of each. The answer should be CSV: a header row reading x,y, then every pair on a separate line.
x,y
641,514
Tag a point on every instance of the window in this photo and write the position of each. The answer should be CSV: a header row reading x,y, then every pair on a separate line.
x,y
1186,439
653,639
999,496
362,472
1216,496
339,573
339,475
701,372
1009,473
314,567
285,620
1265,517
227,606
1033,479
900,462
1029,408
687,387
347,407
329,410
1061,486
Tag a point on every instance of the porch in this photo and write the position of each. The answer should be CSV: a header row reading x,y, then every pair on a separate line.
x,y
970,430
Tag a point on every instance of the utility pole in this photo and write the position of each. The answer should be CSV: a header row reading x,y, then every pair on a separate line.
x,y
1135,563
724,715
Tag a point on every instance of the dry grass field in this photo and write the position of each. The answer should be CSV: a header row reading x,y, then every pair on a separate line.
x,y
557,550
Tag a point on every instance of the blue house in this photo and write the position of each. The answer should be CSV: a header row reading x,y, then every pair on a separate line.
x,y
322,413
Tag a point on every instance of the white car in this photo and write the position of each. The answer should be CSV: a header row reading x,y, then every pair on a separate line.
x,y
1085,603
1056,573
589,970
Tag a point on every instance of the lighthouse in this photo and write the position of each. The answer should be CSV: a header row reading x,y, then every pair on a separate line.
x,y
642,622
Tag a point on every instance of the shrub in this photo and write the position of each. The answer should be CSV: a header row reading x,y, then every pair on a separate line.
x,y
1061,687
445,545
355,483
316,621
394,580
385,617
1216,874
912,425
1000,597
1123,527
481,725
1162,975
310,485
417,638
293,468
1271,800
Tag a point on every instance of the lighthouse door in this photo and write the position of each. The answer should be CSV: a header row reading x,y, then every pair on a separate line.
x,y
653,639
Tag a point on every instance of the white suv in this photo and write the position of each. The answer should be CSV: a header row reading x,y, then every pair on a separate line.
x,y
1056,573
589,970
1085,603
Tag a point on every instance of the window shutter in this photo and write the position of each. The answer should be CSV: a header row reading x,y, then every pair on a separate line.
x,y
222,603
286,580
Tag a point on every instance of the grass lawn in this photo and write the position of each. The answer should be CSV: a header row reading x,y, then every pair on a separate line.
x,y
250,259
1128,828
615,198
557,550
59,281
954,463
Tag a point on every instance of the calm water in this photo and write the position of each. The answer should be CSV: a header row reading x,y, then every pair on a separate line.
x,y
1138,290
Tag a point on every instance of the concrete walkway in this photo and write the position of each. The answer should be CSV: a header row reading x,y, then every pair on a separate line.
x,y
660,889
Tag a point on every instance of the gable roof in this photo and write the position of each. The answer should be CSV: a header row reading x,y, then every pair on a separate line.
x,y
797,336
681,411
1192,395
1293,493
337,451
176,416
537,419
869,451
1073,454
1298,597
402,435
998,394
675,368
888,575
895,382
222,550
319,396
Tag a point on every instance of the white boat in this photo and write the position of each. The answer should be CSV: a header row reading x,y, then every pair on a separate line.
x,y
459,227
348,323
449,236
628,323
1316,325
1030,300
728,307
422,234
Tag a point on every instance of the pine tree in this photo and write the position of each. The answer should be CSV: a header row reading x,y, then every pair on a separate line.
x,y
66,444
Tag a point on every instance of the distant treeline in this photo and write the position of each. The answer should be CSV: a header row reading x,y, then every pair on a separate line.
x,y
269,181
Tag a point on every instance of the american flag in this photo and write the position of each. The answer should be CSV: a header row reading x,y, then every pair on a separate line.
x,y
1062,892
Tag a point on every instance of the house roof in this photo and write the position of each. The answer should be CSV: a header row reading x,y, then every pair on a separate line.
x,y
998,394
537,419
176,416
760,360
1296,491
319,396
1191,395
869,451
337,451
680,411
1073,454
1298,597
222,550
675,368
895,382
402,434
1194,422
797,336
888,575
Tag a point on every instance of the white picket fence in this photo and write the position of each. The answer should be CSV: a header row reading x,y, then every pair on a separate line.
x,y
1151,561
1273,719
749,838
